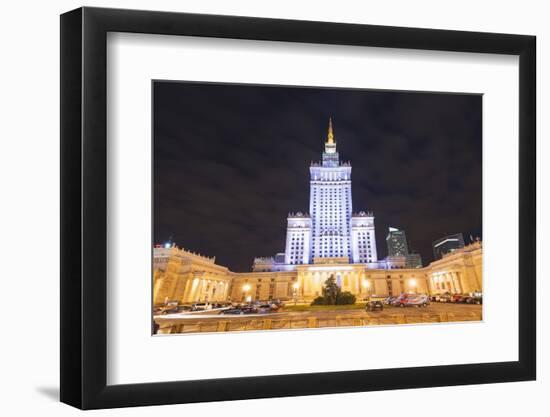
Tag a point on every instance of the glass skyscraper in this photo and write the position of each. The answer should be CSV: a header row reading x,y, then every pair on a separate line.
x,y
447,244
396,241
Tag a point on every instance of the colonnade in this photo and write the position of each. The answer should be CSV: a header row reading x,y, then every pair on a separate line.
x,y
203,287
362,283
196,287
448,281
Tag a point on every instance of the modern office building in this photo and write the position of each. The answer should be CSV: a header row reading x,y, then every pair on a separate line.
x,y
447,245
396,240
413,260
398,250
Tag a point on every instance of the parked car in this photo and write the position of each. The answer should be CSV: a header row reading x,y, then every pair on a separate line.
x,y
375,303
266,308
445,298
250,309
395,301
435,297
241,309
276,302
275,307
390,300
167,308
475,298
412,300
201,307
458,298
220,304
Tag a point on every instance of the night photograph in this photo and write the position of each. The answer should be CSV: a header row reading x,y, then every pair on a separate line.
x,y
281,207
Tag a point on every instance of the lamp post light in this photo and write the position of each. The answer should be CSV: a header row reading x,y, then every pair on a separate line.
x,y
412,284
366,286
246,288
295,287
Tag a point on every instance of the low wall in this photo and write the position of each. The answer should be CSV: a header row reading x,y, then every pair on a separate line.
x,y
224,324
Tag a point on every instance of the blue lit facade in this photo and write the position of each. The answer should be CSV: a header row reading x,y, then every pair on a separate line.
x,y
330,230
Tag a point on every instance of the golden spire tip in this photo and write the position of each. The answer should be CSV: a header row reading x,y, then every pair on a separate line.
x,y
330,135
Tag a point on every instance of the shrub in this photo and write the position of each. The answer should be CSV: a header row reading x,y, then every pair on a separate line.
x,y
345,297
319,301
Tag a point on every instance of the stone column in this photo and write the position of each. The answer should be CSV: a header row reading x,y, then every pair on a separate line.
x,y
185,288
457,282
304,283
157,288
191,289
450,283
219,291
200,288
210,283
208,290
316,277
215,289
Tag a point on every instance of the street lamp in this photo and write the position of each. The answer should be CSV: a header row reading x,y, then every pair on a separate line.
x,y
295,286
366,286
412,284
246,288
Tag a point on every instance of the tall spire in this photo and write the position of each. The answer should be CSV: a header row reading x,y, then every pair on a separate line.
x,y
330,135
330,156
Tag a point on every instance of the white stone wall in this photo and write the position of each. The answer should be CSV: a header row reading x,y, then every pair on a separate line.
x,y
298,239
330,208
363,238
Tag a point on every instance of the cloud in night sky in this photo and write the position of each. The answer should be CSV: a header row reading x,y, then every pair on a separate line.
x,y
231,161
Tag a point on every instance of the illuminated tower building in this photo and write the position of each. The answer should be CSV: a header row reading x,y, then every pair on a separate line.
x,y
397,242
330,230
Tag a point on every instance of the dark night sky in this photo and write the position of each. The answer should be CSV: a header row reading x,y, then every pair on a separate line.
x,y
232,160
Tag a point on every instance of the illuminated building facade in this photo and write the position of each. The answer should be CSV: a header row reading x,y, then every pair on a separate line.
x,y
330,230
328,242
413,260
396,240
180,275
185,276
398,250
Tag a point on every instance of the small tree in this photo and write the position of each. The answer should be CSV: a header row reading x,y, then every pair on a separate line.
x,y
331,291
333,295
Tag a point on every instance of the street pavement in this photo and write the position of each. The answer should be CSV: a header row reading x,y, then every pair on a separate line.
x,y
433,308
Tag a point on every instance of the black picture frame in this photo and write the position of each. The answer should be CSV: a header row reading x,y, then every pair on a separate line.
x,y
84,207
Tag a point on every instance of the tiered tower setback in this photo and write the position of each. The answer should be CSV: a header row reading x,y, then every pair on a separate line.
x,y
330,230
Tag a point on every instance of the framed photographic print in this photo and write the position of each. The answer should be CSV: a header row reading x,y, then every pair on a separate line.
x,y
258,208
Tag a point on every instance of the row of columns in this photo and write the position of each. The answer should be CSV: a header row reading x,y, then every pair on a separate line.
x,y
357,282
204,288
447,282
192,288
